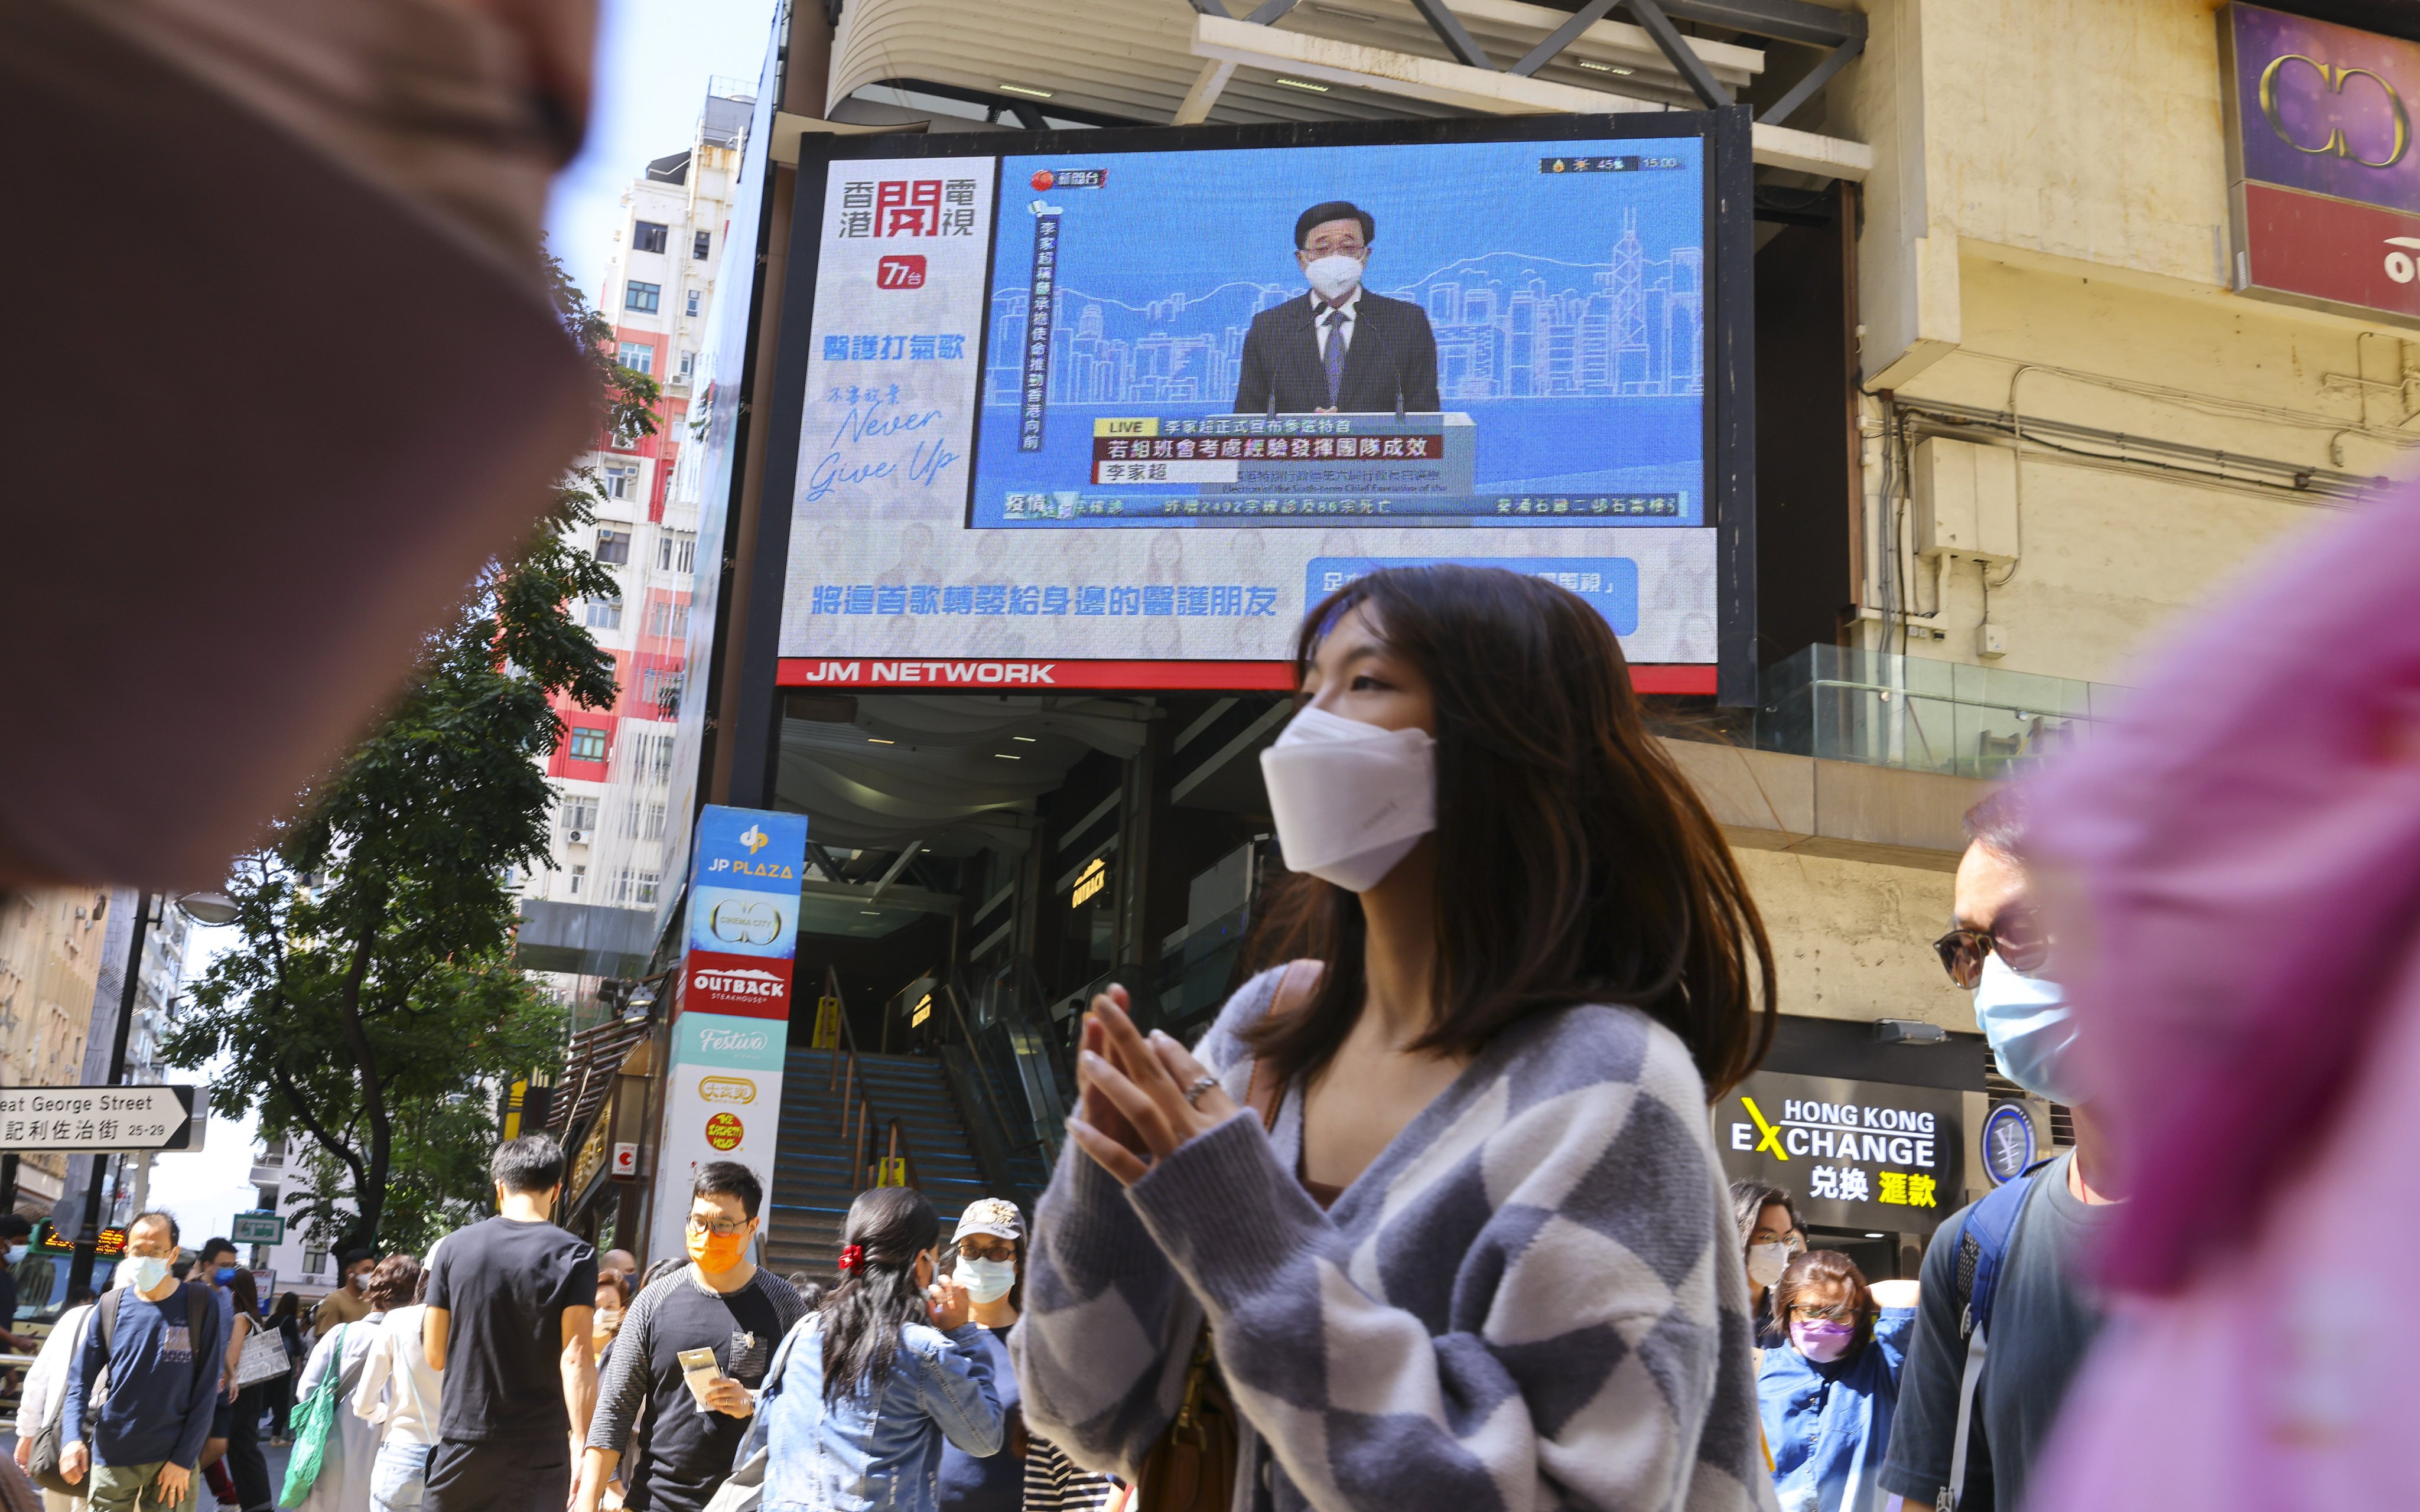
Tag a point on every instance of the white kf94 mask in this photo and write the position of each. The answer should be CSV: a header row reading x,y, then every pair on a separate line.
x,y
1350,799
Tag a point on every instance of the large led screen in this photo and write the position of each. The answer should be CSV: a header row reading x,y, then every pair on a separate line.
x,y
1117,405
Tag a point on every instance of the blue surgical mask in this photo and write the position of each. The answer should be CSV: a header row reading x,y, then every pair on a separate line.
x,y
16,1252
2031,1029
144,1272
988,1280
225,1274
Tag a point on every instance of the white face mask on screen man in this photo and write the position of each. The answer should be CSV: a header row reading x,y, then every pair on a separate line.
x,y
1334,276
1350,799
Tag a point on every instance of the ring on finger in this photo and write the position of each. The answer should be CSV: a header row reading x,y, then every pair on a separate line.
x,y
1200,1085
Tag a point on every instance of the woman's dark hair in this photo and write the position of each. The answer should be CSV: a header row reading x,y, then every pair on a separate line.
x,y
289,1305
1815,1268
1575,862
393,1284
1751,1198
657,1273
878,1296
620,1283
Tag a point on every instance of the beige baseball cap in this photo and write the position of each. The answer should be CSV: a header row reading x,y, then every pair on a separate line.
x,y
995,1216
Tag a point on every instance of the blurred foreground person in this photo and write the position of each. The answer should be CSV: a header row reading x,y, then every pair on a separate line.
x,y
309,154
2246,844
2008,1309
865,1390
1444,1187
1827,1395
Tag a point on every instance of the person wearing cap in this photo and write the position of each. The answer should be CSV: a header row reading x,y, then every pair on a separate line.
x,y
988,1256
681,1448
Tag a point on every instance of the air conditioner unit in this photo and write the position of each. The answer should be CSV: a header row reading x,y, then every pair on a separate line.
x,y
575,836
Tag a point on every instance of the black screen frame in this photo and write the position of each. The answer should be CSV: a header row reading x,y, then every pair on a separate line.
x,y
1729,331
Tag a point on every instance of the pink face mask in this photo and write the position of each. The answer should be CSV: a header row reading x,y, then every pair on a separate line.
x,y
1822,1342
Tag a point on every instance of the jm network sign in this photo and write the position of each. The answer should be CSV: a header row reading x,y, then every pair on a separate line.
x,y
723,1094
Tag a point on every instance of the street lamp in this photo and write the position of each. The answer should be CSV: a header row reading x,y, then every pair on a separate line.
x,y
206,909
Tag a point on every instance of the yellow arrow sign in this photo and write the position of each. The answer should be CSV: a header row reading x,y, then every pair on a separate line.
x,y
1771,1139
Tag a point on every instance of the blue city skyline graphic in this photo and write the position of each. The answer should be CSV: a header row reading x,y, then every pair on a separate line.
x,y
1568,308
1509,325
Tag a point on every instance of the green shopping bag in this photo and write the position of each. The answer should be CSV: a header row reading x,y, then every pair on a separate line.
x,y
313,1420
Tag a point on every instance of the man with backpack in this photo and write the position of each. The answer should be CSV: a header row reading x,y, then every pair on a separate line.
x,y
2005,1315
158,1346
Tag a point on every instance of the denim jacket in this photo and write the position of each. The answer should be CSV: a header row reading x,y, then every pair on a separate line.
x,y
867,1454
1830,1431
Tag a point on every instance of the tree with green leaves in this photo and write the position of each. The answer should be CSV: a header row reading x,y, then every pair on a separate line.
x,y
372,1008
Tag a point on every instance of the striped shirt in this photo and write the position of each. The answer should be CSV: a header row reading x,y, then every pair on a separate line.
x,y
1054,1483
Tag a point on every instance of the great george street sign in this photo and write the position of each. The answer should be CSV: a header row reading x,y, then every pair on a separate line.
x,y
102,1119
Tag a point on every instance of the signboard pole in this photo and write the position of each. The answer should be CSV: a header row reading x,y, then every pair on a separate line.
x,y
730,1026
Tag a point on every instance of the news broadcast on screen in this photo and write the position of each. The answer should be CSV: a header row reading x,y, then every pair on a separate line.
x,y
1129,406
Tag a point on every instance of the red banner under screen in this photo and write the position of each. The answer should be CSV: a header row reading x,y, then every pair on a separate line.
x,y
1132,676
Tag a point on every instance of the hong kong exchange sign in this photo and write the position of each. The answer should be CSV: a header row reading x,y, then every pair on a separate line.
x,y
2321,170
1867,1155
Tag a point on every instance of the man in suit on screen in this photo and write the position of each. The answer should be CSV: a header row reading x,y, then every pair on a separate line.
x,y
1339,347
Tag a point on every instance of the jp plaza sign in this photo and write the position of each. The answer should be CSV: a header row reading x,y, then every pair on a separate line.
x,y
1869,1155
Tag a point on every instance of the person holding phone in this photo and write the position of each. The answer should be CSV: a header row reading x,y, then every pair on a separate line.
x,y
866,1391
691,1349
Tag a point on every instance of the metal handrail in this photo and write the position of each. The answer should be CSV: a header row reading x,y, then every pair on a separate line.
x,y
2020,710
857,1110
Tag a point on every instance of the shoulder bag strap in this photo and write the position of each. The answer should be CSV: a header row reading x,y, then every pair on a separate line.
x,y
1299,979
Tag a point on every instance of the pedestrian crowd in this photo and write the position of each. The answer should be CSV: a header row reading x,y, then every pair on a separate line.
x,y
1432,1216
510,1370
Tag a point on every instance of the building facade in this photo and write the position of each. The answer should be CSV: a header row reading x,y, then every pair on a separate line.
x,y
53,943
611,769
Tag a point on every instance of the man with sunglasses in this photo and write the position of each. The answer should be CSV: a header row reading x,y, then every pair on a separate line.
x,y
2042,1316
721,1303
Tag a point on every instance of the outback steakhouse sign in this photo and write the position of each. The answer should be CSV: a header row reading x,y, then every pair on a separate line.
x,y
1873,1155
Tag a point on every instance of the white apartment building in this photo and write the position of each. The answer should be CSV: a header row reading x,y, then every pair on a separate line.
x,y
612,771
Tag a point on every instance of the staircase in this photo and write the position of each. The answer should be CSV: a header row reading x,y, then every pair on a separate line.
x,y
813,1183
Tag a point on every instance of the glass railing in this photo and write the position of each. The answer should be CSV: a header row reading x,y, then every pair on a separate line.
x,y
1925,716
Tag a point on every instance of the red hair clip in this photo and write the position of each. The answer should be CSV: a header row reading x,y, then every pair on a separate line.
x,y
851,1256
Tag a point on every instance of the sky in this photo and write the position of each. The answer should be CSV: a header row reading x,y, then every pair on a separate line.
x,y
206,1187
653,60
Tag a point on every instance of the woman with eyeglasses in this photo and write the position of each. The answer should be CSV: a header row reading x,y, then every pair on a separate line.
x,y
1029,1474
1827,1395
1770,1237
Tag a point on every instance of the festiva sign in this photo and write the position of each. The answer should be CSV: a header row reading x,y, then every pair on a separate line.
x,y
2321,165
